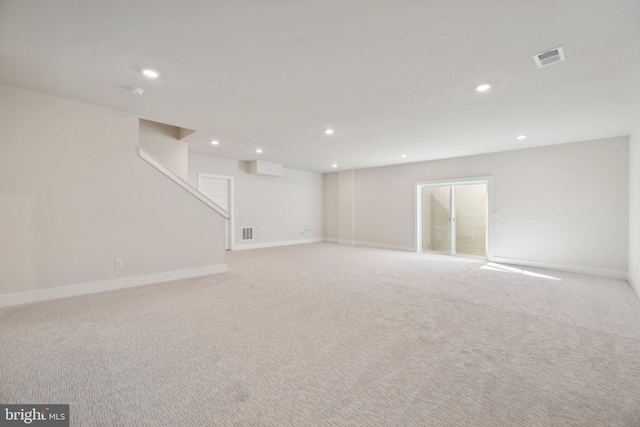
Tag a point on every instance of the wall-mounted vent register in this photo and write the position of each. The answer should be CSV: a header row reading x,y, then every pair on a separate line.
x,y
247,233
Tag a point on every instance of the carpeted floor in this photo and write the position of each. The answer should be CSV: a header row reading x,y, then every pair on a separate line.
x,y
329,335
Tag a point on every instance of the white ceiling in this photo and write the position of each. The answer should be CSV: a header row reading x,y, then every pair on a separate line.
x,y
391,76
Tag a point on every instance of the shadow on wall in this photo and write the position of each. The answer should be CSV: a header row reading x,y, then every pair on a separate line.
x,y
244,167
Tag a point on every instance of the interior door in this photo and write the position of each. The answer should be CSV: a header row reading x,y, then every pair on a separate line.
x,y
218,189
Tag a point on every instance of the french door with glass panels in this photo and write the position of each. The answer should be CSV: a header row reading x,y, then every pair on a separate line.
x,y
454,218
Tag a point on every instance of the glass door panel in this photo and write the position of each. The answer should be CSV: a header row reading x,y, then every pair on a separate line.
x,y
470,219
436,217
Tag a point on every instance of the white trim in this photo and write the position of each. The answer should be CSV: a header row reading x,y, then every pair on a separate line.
x,y
490,214
418,206
353,207
181,182
231,224
452,227
330,239
107,285
385,246
600,272
633,285
457,181
274,244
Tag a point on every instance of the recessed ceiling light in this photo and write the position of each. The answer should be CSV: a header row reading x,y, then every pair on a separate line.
x,y
521,137
214,142
258,150
403,155
335,165
150,73
329,131
483,87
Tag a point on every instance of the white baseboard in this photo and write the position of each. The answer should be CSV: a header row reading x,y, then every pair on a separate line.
x,y
385,246
346,242
369,244
634,286
274,244
106,285
600,272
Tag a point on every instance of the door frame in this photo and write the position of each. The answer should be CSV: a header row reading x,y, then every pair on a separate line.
x,y
419,185
230,234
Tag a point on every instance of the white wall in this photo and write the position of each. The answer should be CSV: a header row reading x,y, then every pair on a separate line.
x,y
346,229
565,205
330,221
161,141
634,210
74,196
279,208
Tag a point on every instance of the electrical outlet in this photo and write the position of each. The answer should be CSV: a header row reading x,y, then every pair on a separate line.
x,y
119,263
512,249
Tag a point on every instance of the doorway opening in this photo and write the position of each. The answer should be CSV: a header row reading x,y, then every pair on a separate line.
x,y
453,217
219,189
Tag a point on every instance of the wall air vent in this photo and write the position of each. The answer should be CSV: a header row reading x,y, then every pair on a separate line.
x,y
549,57
247,233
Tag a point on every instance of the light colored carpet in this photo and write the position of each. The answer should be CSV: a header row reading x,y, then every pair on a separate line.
x,y
329,335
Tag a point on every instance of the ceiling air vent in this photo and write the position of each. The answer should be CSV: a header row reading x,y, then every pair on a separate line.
x,y
247,233
549,57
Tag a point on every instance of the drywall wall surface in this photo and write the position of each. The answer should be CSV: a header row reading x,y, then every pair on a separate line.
x,y
564,204
75,196
259,167
634,210
330,206
161,141
345,207
281,209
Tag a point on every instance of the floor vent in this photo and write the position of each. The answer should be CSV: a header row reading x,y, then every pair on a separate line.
x,y
549,57
247,233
